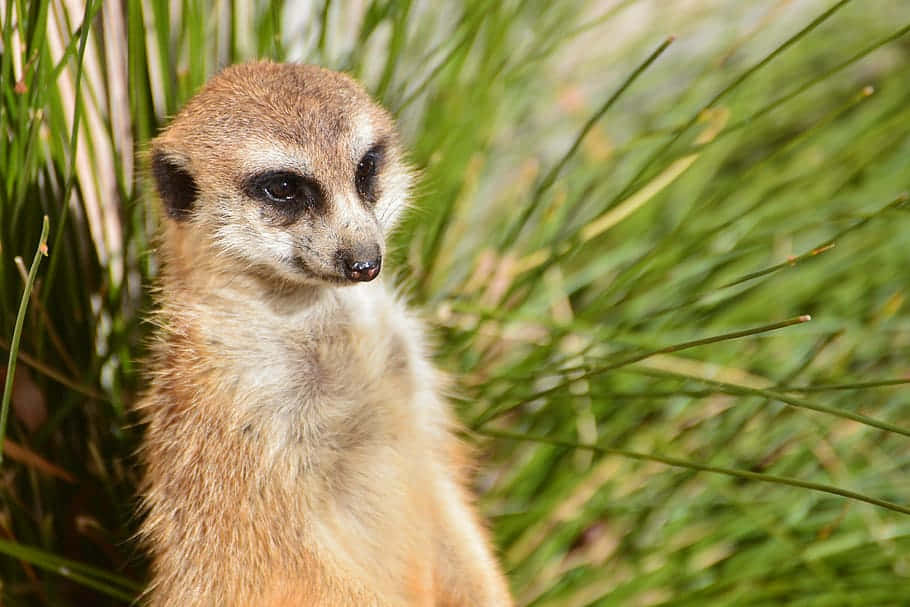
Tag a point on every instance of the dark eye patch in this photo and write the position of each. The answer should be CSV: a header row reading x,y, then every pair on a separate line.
x,y
367,170
286,192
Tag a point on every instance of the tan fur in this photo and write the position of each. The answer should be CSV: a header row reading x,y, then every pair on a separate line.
x,y
297,449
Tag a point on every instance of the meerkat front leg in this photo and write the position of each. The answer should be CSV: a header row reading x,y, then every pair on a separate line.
x,y
468,573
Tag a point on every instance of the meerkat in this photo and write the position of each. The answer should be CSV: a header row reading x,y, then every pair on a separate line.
x,y
297,449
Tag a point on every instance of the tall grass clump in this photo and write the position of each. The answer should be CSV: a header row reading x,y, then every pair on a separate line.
x,y
627,214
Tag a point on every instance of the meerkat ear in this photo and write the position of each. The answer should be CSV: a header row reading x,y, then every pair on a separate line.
x,y
176,185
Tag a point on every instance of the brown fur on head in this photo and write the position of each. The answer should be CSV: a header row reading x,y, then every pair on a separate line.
x,y
287,171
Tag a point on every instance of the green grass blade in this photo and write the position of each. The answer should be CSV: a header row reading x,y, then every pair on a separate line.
x,y
550,178
40,252
682,463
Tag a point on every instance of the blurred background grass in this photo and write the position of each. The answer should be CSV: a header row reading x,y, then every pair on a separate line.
x,y
621,203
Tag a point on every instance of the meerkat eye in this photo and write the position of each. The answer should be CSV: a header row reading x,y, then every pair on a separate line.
x,y
287,191
367,169
282,187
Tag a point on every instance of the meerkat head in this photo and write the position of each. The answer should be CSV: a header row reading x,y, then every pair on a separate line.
x,y
290,171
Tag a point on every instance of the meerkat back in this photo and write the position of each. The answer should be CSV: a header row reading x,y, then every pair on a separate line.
x,y
297,451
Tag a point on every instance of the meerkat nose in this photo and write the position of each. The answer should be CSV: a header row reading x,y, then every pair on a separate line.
x,y
362,271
